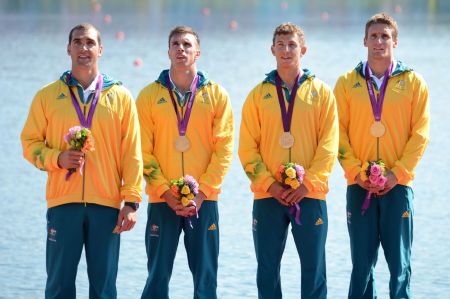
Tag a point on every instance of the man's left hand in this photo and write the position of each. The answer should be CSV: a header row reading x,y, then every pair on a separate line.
x,y
295,196
390,183
126,220
199,198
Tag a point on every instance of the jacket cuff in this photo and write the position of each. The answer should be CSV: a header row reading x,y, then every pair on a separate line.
x,y
352,173
161,189
400,173
267,183
51,162
308,184
206,190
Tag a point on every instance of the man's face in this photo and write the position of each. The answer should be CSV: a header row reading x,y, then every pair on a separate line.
x,y
183,50
288,50
84,48
379,42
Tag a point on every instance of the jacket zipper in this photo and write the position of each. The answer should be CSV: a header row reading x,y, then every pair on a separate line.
x,y
84,168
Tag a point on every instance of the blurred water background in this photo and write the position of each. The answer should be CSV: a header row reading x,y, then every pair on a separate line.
x,y
236,37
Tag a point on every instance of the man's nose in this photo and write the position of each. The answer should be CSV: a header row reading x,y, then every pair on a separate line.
x,y
84,46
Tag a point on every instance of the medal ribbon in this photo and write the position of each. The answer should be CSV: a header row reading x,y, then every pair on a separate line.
x,y
84,122
87,122
377,106
286,116
295,210
183,123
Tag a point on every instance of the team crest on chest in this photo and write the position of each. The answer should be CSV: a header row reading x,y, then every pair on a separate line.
x,y
110,97
205,98
400,85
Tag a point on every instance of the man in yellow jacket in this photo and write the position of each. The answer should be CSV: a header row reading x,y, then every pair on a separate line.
x,y
187,130
85,191
383,116
289,117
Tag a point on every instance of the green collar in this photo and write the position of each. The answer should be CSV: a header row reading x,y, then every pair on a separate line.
x,y
107,83
270,77
399,69
202,80
164,80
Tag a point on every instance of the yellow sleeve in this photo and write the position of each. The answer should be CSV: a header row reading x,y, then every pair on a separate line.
x,y
131,168
346,156
223,135
33,137
420,132
316,176
152,171
249,141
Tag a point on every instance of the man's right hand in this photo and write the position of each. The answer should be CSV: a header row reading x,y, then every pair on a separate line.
x,y
277,190
175,204
70,159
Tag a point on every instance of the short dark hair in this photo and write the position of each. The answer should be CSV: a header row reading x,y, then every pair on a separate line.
x,y
182,30
289,28
382,18
83,27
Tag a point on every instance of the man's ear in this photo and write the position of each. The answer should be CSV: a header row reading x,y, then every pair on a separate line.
x,y
197,54
100,50
303,50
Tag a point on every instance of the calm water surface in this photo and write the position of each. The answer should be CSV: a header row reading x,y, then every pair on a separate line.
x,y
33,53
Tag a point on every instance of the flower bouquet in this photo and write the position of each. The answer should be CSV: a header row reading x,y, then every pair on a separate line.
x,y
185,189
80,139
291,175
375,173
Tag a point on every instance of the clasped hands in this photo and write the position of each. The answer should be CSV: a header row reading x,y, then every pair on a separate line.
x,y
179,209
375,189
287,196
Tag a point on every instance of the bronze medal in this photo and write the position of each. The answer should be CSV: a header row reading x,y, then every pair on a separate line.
x,y
182,144
286,140
377,129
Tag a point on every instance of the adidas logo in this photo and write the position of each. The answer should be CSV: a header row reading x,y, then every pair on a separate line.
x,y
61,96
319,221
267,96
212,227
162,100
356,85
405,214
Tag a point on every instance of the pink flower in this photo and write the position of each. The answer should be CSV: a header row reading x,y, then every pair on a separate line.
x,y
373,179
300,172
192,183
375,170
67,137
382,181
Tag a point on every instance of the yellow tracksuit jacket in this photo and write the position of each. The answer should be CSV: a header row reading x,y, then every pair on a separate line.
x,y
314,127
210,131
405,115
113,171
